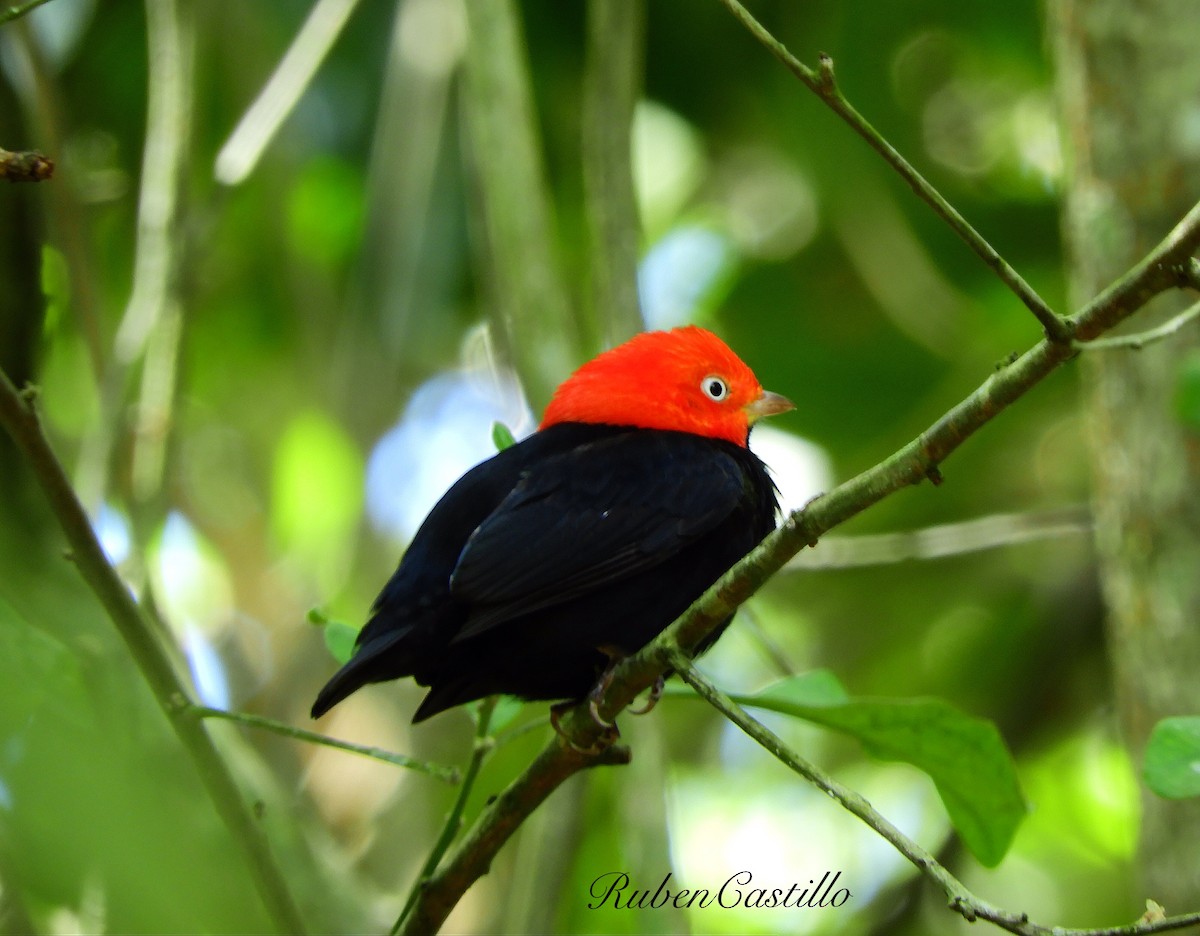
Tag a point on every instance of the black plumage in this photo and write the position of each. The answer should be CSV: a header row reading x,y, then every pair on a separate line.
x,y
581,541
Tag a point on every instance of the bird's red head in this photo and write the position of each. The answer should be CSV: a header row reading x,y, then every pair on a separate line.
x,y
685,380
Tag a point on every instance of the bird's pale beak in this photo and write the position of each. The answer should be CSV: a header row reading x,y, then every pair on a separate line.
x,y
769,404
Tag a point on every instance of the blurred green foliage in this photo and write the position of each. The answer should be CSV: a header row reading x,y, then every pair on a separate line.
x,y
320,293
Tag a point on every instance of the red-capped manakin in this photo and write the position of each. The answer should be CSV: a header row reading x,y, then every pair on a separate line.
x,y
585,540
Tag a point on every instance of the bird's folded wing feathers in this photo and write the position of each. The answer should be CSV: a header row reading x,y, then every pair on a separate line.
x,y
585,519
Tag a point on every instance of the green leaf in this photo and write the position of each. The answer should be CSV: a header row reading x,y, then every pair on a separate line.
x,y
339,640
39,671
816,687
507,708
964,756
1172,761
502,436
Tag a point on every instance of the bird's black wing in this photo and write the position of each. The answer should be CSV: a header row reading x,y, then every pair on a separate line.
x,y
591,516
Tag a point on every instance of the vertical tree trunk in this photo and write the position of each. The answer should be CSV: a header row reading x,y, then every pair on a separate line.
x,y
1129,80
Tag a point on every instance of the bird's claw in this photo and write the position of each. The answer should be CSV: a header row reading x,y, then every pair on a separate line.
x,y
609,735
594,709
656,693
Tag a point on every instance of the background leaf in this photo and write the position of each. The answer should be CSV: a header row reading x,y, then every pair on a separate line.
x,y
964,756
1172,760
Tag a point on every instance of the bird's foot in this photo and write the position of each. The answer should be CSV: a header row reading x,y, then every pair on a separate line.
x,y
656,693
609,734
597,694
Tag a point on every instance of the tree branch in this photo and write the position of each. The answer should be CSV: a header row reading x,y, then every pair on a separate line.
x,y
1163,268
25,165
823,84
18,416
943,540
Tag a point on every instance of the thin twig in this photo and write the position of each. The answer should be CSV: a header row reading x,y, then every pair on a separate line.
x,y
18,416
943,540
10,13
470,860
41,99
262,120
448,774
25,165
823,84
1139,340
960,899
1161,270
484,745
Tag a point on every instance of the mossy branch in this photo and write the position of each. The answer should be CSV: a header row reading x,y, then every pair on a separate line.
x,y
1169,265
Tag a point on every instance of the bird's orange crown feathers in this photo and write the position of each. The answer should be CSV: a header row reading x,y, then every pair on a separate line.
x,y
686,380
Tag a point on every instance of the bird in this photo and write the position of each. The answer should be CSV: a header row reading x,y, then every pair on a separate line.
x,y
561,554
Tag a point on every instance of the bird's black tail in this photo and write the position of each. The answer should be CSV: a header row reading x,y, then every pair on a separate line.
x,y
376,660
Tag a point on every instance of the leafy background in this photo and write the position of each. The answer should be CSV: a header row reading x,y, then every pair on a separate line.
x,y
333,378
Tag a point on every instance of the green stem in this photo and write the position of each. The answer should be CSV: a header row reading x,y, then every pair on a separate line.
x,y
17,415
448,774
611,85
823,84
483,746
1138,341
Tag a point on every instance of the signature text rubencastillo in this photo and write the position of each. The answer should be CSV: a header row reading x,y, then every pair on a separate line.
x,y
614,889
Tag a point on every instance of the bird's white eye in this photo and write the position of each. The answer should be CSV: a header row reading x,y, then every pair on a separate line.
x,y
714,388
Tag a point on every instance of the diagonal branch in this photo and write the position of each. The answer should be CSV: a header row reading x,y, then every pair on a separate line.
x,y
18,416
1167,266
447,774
823,84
